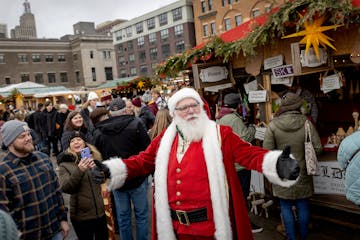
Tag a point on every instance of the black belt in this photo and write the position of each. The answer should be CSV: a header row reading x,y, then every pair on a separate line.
x,y
187,217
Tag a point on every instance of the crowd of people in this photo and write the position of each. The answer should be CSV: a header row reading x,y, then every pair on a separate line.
x,y
200,168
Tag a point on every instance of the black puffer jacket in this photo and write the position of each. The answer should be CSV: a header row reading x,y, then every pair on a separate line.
x,y
121,136
147,117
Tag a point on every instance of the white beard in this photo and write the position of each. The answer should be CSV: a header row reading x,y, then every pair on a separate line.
x,y
193,130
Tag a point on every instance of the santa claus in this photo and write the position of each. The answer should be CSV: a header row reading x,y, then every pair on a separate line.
x,y
197,192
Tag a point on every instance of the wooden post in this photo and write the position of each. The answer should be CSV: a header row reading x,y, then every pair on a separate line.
x,y
268,104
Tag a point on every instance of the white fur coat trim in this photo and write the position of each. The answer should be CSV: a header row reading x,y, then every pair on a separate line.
x,y
270,172
217,182
118,173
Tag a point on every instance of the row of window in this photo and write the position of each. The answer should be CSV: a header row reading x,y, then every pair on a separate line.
x,y
40,77
108,74
139,27
36,58
208,5
164,36
143,70
106,54
153,53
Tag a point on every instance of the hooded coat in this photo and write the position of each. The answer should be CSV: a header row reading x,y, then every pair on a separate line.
x,y
288,129
349,159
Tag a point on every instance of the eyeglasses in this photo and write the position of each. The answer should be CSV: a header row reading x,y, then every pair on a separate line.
x,y
186,108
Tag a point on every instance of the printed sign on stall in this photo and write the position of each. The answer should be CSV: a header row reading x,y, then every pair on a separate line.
x,y
330,83
273,62
257,96
287,81
251,86
283,71
329,179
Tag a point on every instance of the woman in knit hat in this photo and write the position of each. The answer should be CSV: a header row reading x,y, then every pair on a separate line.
x,y
287,128
87,212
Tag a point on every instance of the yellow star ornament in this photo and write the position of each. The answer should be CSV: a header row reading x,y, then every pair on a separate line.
x,y
313,35
140,84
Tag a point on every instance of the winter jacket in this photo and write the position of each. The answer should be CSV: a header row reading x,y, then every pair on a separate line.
x,y
50,120
288,129
85,196
147,117
121,136
349,150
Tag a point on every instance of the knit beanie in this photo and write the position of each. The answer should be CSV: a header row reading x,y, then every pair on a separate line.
x,y
290,102
11,129
75,134
232,100
8,228
182,94
136,102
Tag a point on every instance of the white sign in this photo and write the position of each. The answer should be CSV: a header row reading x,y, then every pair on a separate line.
x,y
257,96
251,86
260,133
330,83
213,74
329,179
273,62
285,81
257,182
218,87
311,60
283,71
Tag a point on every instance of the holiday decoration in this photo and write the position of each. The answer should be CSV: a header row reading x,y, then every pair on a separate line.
x,y
313,35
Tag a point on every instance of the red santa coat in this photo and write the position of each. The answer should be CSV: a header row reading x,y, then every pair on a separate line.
x,y
233,149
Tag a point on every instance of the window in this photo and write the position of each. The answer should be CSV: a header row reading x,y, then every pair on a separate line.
x,y
49,58
77,76
39,78
164,34
120,49
139,27
140,42
153,66
203,6
121,60
230,1
107,54
165,50
223,3
61,58
132,58
227,24
129,32
153,53
213,28
177,14
255,12
23,58
51,77
205,30
93,74
180,46
210,5
130,46
142,56
2,58
122,73
150,23
36,58
179,30
25,77
238,20
163,19
152,38
91,54
143,69
133,71
118,35
108,73
64,77
75,56
7,80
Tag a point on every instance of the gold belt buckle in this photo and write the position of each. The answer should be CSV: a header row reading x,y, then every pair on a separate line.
x,y
180,213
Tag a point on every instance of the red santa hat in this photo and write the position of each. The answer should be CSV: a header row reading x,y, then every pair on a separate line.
x,y
182,94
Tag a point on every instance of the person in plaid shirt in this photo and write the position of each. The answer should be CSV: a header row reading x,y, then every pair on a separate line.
x,y
29,187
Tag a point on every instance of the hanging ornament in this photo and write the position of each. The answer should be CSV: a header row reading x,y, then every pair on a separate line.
x,y
313,35
140,84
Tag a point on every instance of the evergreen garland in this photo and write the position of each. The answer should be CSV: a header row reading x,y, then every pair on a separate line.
x,y
286,19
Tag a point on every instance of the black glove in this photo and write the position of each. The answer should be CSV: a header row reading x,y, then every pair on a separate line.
x,y
287,167
100,172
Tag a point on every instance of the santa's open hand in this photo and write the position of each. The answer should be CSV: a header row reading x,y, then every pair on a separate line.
x,y
287,167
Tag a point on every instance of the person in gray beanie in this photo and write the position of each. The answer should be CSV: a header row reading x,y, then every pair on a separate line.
x,y
38,200
8,230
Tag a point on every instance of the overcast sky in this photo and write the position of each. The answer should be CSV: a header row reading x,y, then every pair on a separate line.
x,y
55,18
